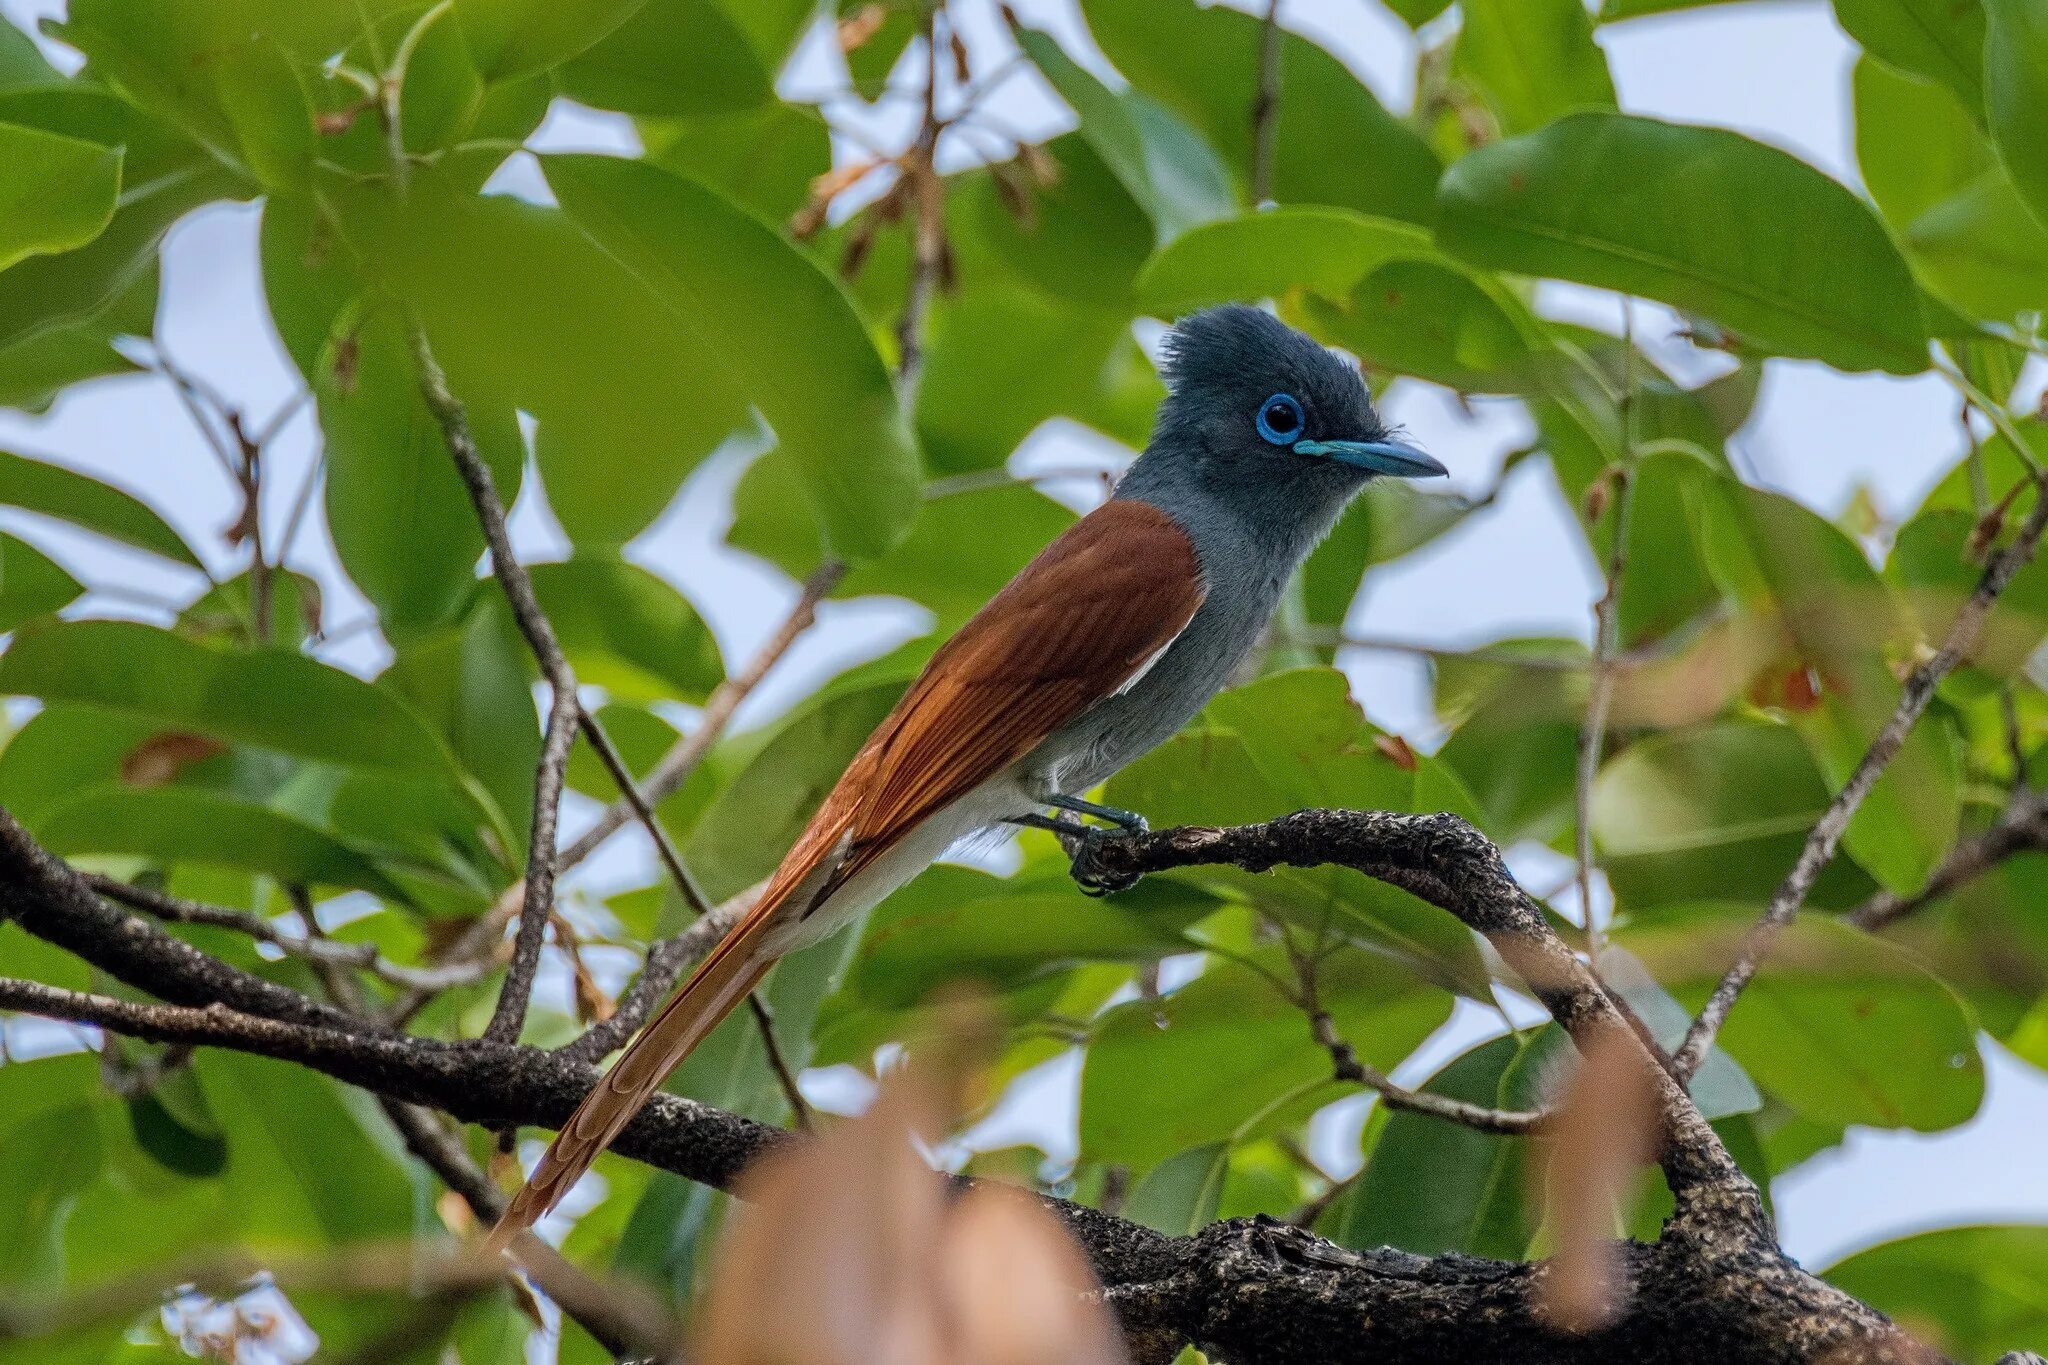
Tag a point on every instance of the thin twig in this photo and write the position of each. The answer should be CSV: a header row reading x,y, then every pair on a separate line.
x,y
1593,733
784,1076
509,1016
2021,826
927,223
1827,832
1266,105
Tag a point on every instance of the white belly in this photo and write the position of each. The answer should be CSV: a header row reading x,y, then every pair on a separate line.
x,y
1000,798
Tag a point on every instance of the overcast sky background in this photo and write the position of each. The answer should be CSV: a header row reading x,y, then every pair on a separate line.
x,y
1776,69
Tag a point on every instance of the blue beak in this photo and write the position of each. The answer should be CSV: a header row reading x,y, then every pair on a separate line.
x,y
1397,458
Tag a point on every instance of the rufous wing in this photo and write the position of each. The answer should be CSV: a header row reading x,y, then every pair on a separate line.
x,y
1072,628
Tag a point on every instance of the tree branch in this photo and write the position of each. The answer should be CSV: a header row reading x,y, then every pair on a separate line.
x,y
1266,105
1827,832
2021,826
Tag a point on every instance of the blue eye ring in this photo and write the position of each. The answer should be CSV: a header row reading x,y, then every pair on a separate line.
x,y
1280,419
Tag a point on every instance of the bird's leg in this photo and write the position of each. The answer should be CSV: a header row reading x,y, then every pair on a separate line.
x,y
1129,821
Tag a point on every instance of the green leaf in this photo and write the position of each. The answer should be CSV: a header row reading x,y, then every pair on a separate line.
x,y
1234,1058
628,631
962,549
1939,183
56,193
1437,322
1672,220
1161,162
1939,40
1533,60
275,699
400,515
47,1161
1202,62
1935,564
1430,1185
957,924
182,825
1271,254
34,370
517,37
1842,1026
1180,1195
764,159
815,375
2016,94
743,835
1972,1293
1714,810
31,583
679,58
1629,9
54,491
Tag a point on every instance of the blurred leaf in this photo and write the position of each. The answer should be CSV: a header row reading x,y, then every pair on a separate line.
x,y
181,825
54,491
1935,564
957,924
1939,40
31,583
683,58
628,631
63,748
962,549
2016,94
1717,810
34,370
1720,1088
1669,224
48,1159
515,37
172,1123
56,193
764,158
743,835
1080,239
1234,1058
1844,1027
1940,185
1971,1292
1630,9
300,1154
1272,253
277,699
1773,554
1180,1195
1202,62
1430,1185
1389,519
1437,322
815,376
1164,164
400,515
1533,60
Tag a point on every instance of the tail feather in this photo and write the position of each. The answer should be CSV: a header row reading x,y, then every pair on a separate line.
x,y
718,985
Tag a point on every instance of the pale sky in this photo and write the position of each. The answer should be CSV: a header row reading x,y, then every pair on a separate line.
x,y
1776,69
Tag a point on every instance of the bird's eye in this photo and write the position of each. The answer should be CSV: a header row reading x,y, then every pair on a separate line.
x,y
1280,420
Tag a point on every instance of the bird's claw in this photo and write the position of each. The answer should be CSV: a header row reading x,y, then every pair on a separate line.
x,y
1088,874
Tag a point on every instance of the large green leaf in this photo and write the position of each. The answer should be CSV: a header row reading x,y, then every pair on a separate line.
x,y
1431,1186
516,37
275,699
1202,62
1234,1057
1716,810
1668,212
1940,40
2016,94
1973,1293
31,583
179,825
56,193
628,631
764,158
1533,60
676,58
1162,163
1843,1027
37,486
1260,255
1180,1195
397,507
815,375
35,369
1940,185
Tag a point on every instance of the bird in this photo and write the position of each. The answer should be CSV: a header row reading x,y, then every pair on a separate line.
x,y
1099,650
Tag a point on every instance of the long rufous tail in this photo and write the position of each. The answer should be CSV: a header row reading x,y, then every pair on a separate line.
x,y
718,985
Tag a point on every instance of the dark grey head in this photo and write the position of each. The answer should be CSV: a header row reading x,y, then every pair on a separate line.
x,y
1251,398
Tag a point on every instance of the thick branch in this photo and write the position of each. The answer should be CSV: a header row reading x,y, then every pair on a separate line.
x,y
1827,832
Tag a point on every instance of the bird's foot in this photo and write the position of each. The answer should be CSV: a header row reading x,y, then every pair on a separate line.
x,y
1129,821
1088,872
